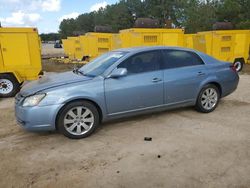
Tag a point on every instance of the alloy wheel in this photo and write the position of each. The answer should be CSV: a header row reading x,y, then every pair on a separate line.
x,y
78,120
209,98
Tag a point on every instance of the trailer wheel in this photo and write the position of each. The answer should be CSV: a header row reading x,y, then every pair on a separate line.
x,y
9,86
238,64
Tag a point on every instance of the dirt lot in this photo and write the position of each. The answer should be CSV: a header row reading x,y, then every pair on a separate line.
x,y
188,149
48,50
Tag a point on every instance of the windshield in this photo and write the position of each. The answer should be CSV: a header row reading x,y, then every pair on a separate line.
x,y
100,64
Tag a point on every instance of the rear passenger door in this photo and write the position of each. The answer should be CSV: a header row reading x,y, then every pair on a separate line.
x,y
183,73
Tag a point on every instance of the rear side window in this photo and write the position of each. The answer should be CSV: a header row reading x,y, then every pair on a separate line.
x,y
179,58
143,62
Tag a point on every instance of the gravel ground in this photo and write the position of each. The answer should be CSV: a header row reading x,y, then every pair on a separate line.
x,y
48,50
188,149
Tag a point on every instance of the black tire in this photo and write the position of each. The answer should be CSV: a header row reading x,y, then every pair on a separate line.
x,y
62,115
239,64
12,84
199,107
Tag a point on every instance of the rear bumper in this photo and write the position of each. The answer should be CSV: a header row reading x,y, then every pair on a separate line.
x,y
37,118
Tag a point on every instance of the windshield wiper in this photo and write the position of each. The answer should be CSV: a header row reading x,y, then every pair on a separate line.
x,y
77,71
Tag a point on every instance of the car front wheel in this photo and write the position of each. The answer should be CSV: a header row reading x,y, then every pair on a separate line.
x,y
208,99
78,119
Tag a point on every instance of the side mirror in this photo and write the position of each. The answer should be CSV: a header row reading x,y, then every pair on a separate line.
x,y
120,72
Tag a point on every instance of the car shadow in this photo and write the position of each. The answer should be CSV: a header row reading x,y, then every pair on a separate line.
x,y
143,117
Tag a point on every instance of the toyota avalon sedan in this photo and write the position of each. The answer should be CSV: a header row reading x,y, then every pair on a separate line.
x,y
123,83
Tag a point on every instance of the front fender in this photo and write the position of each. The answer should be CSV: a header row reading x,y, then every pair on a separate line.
x,y
92,91
95,100
16,75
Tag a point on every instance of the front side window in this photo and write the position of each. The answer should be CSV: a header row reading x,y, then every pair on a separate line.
x,y
179,58
100,64
142,62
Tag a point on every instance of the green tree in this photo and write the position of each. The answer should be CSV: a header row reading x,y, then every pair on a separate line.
x,y
50,37
193,15
67,27
235,11
198,15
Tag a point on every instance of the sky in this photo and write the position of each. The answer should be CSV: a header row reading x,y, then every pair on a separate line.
x,y
46,15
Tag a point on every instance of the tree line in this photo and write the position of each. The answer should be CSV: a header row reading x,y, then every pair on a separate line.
x,y
193,15
50,36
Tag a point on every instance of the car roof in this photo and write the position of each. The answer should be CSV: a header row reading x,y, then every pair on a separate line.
x,y
148,48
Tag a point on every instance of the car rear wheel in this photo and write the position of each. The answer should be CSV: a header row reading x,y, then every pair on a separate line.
x,y
9,85
78,119
208,99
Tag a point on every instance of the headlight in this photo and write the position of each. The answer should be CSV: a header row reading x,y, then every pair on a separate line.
x,y
33,100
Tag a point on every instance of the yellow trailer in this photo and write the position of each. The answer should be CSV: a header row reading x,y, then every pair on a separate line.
x,y
84,46
75,48
68,48
20,58
189,40
72,47
95,44
228,45
151,37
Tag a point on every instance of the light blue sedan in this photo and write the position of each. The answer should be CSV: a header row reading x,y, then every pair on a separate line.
x,y
122,83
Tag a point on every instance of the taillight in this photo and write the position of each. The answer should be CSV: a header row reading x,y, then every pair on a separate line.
x,y
233,68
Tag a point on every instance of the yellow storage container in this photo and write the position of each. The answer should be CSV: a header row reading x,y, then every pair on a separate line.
x,y
20,58
76,52
95,44
68,48
228,45
189,40
151,37
85,44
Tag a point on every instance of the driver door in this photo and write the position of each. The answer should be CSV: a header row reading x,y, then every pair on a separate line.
x,y
141,88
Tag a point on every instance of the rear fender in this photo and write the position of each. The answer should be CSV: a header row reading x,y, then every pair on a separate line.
x,y
211,79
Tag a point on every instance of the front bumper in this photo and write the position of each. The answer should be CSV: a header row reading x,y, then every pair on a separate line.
x,y
38,118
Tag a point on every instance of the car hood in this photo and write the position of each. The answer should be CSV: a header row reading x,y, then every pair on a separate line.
x,y
52,80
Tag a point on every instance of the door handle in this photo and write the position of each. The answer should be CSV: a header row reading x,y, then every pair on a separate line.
x,y
156,80
200,73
